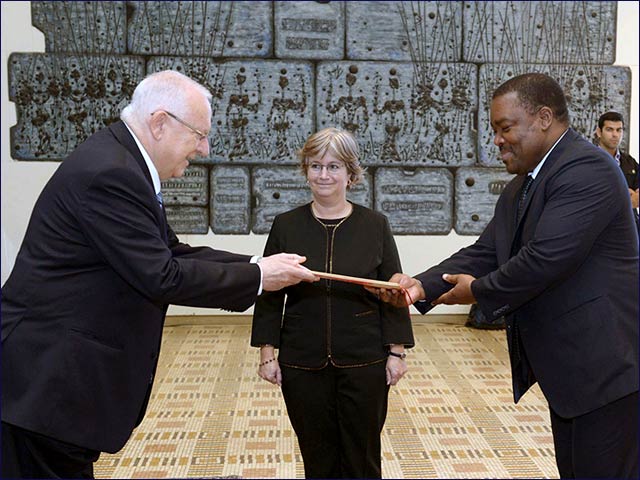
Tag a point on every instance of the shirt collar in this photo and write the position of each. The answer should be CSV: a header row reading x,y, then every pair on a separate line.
x,y
539,166
155,176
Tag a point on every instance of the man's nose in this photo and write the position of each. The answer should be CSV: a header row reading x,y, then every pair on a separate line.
x,y
203,147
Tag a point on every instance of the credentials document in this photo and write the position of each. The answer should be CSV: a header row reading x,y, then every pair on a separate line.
x,y
366,282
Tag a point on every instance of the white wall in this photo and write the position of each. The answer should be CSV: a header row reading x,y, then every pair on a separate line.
x,y
23,181
627,54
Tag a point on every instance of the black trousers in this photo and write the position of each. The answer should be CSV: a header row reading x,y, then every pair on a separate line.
x,y
338,415
599,444
28,454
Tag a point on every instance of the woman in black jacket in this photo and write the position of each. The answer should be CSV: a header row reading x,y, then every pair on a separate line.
x,y
340,348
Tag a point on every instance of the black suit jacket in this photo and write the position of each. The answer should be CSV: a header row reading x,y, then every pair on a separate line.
x,y
83,309
570,294
329,321
629,167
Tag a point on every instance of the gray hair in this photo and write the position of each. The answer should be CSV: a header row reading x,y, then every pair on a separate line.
x,y
166,90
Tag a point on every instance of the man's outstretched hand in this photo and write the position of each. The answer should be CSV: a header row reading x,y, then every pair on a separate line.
x,y
284,269
460,294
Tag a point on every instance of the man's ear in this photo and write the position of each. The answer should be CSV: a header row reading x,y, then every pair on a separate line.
x,y
598,132
545,114
157,124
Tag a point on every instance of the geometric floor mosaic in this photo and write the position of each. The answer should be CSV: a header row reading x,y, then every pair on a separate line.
x,y
451,416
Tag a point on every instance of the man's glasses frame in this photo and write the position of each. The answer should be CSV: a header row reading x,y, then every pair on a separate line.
x,y
201,136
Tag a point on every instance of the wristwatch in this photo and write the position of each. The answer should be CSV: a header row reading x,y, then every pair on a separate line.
x,y
401,356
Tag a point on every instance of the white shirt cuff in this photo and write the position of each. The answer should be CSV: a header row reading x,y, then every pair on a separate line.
x,y
256,259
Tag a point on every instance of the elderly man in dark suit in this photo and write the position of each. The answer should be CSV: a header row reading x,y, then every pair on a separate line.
x,y
556,261
83,309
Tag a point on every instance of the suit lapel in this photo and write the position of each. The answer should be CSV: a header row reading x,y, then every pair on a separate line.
x,y
122,134
548,166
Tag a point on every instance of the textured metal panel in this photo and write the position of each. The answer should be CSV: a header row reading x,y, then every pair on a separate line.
x,y
190,189
540,32
401,92
188,219
400,31
81,27
62,99
230,204
276,190
417,202
262,110
591,90
362,192
309,30
402,114
477,191
205,28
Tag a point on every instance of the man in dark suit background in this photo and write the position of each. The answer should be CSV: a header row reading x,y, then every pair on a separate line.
x,y
609,134
560,262
84,307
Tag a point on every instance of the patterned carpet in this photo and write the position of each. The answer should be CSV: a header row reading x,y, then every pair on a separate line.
x,y
452,416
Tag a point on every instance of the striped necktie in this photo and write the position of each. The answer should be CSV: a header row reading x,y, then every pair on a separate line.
x,y
159,197
523,196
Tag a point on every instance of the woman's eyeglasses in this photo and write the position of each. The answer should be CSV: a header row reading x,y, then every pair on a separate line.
x,y
332,168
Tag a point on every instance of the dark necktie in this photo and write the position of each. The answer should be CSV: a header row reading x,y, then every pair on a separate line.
x,y
164,215
523,196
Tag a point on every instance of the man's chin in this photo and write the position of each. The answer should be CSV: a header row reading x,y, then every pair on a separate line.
x,y
179,173
509,166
